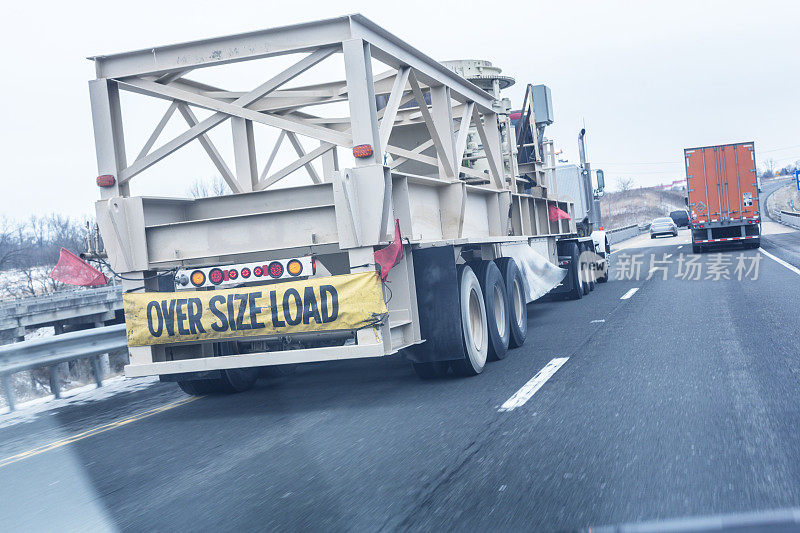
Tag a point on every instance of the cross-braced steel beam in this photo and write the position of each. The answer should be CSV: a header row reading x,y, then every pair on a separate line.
x,y
161,72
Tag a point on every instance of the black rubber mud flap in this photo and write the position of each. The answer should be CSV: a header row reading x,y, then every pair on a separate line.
x,y
439,308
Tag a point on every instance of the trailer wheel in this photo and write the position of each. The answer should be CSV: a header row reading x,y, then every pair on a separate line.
x,y
697,249
604,277
496,303
277,371
433,370
474,330
578,290
231,380
238,379
583,267
588,269
517,308
198,387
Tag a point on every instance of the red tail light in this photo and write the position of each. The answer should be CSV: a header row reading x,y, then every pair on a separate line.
x,y
275,269
216,276
362,150
245,272
106,180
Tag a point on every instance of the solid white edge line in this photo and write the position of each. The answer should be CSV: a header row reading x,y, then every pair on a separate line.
x,y
628,294
534,384
780,261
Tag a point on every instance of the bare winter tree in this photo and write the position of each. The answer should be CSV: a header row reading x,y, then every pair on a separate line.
x,y
769,168
624,184
789,169
31,248
201,188
9,247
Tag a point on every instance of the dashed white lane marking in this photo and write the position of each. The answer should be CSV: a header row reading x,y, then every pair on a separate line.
x,y
679,247
529,389
597,321
628,294
780,261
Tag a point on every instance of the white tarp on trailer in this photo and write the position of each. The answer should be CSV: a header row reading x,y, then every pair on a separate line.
x,y
539,275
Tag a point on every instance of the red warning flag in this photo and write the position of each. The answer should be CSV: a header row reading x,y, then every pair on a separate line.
x,y
392,254
557,214
73,270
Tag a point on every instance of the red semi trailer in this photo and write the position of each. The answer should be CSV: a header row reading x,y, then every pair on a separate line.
x,y
723,195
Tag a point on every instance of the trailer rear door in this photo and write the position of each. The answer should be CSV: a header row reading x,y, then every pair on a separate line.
x,y
721,181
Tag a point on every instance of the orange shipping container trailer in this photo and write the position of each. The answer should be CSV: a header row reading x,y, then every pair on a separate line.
x,y
723,195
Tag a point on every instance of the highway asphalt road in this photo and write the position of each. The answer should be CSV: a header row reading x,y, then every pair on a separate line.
x,y
679,400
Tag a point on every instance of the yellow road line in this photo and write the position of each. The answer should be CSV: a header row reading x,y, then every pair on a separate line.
x,y
95,431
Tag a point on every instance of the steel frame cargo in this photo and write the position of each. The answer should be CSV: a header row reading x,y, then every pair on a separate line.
x,y
346,213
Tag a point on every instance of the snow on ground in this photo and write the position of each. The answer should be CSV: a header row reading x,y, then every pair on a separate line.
x,y
28,410
38,333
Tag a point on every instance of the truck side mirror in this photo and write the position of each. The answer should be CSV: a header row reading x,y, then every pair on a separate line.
x,y
601,181
686,200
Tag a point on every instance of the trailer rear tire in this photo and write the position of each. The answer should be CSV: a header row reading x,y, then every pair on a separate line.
x,y
496,303
474,330
577,291
589,269
231,380
199,387
604,277
697,249
238,379
517,306
277,371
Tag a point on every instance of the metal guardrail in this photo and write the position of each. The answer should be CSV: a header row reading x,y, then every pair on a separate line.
x,y
790,218
50,351
60,299
616,235
42,309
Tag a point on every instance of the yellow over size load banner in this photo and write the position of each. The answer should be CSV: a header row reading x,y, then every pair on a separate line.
x,y
350,301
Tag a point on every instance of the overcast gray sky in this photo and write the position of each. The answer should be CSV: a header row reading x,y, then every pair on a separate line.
x,y
648,78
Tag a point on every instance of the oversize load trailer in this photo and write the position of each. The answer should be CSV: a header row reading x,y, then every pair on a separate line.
x,y
264,268
723,195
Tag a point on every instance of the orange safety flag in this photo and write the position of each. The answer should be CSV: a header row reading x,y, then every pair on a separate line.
x,y
73,270
388,257
557,214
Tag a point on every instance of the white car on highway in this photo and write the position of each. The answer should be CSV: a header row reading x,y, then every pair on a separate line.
x,y
663,226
